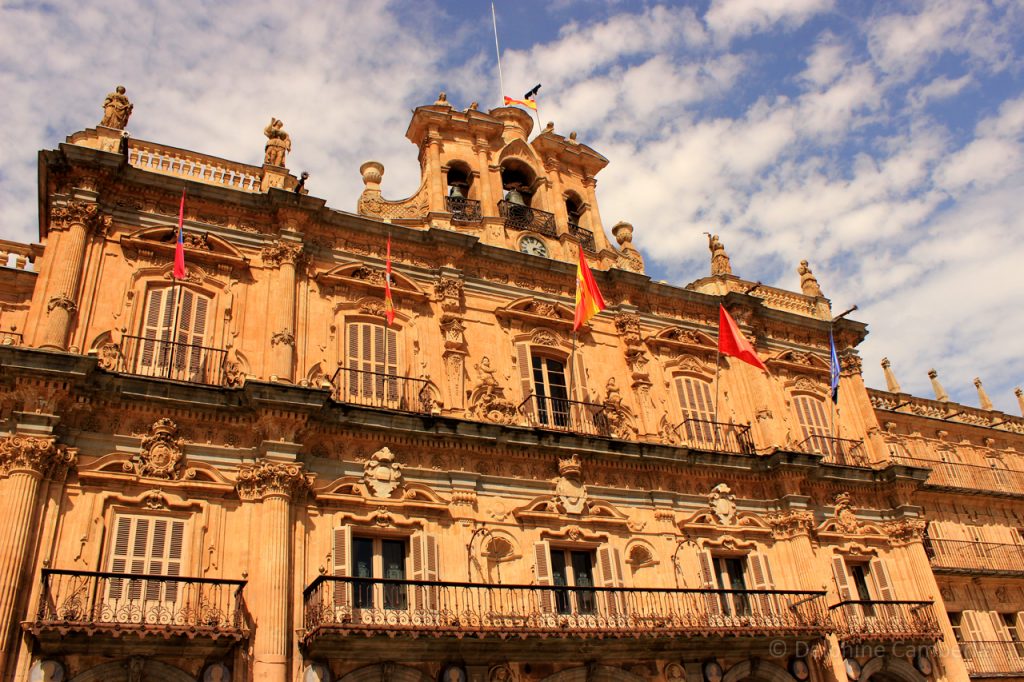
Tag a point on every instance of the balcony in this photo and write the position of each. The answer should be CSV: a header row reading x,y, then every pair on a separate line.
x,y
585,236
842,451
712,436
993,659
520,217
968,476
561,414
463,210
341,607
872,621
164,359
83,608
378,389
965,556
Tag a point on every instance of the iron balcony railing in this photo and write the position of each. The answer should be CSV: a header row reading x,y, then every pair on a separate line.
x,y
858,620
704,434
562,414
836,450
346,606
10,339
166,359
379,389
94,600
463,210
585,236
968,556
993,659
968,476
521,217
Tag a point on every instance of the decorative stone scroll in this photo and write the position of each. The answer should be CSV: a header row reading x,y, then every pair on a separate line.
x,y
267,477
40,456
162,455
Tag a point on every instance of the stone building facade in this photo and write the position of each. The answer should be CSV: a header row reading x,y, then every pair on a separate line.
x,y
248,475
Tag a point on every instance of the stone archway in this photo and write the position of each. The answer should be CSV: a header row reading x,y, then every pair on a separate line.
x,y
392,672
596,673
889,669
757,671
152,671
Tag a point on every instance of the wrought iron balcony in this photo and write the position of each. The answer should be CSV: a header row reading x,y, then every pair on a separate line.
x,y
865,621
585,236
463,210
965,556
344,606
993,659
968,476
378,389
10,339
92,602
166,359
561,414
520,217
704,434
837,450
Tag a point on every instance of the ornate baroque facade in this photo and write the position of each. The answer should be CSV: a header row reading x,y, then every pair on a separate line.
x,y
248,475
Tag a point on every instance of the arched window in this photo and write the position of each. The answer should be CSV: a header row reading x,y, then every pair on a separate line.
x,y
458,202
574,209
371,376
517,179
172,341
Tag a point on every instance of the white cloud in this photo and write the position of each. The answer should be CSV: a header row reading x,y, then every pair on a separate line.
x,y
729,19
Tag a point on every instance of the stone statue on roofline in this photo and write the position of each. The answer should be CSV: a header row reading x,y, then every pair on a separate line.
x,y
116,109
808,282
719,259
278,143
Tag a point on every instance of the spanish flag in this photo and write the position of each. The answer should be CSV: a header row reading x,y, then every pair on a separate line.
x,y
179,246
389,305
589,301
732,342
528,103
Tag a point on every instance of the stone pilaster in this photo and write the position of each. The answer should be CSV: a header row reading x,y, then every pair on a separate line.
x,y
25,462
272,485
283,256
435,195
75,221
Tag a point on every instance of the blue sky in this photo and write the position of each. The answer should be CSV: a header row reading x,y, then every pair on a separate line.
x,y
882,141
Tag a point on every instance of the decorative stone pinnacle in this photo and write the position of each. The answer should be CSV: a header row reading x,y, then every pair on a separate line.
x,y
891,384
983,399
1019,392
940,392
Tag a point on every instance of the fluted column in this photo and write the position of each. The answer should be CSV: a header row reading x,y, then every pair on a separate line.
x,y
25,461
284,256
272,485
435,193
75,220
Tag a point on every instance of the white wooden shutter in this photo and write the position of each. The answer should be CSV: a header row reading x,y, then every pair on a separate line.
x,y
341,553
580,387
814,422
371,353
147,545
883,583
760,574
970,625
156,328
542,556
713,601
696,404
525,378
424,567
998,627
844,586
610,561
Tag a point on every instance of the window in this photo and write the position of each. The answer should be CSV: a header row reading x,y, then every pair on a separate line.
x,y
814,423
144,545
862,585
550,390
730,577
379,558
698,410
575,568
1012,624
955,622
175,355
371,374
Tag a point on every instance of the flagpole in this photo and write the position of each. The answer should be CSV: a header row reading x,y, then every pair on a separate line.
x,y
497,50
572,370
718,366
176,291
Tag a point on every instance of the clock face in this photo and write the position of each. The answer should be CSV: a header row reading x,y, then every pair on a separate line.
x,y
533,246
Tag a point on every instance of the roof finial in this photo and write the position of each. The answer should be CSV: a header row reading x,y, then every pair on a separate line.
x,y
983,398
1019,392
808,282
940,392
891,384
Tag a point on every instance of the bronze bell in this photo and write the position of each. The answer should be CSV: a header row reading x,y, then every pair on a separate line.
x,y
515,197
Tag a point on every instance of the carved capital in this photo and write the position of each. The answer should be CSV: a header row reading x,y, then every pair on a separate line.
x,y
285,336
41,456
628,326
79,213
268,478
61,301
905,531
850,363
790,524
279,253
449,292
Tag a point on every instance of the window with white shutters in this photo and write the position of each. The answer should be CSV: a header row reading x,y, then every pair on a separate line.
x,y
814,423
179,354
698,409
371,363
146,545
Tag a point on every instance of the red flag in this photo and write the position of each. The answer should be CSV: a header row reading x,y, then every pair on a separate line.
x,y
179,248
589,301
732,342
389,305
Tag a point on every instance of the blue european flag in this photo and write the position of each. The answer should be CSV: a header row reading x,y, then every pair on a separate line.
x,y
834,368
